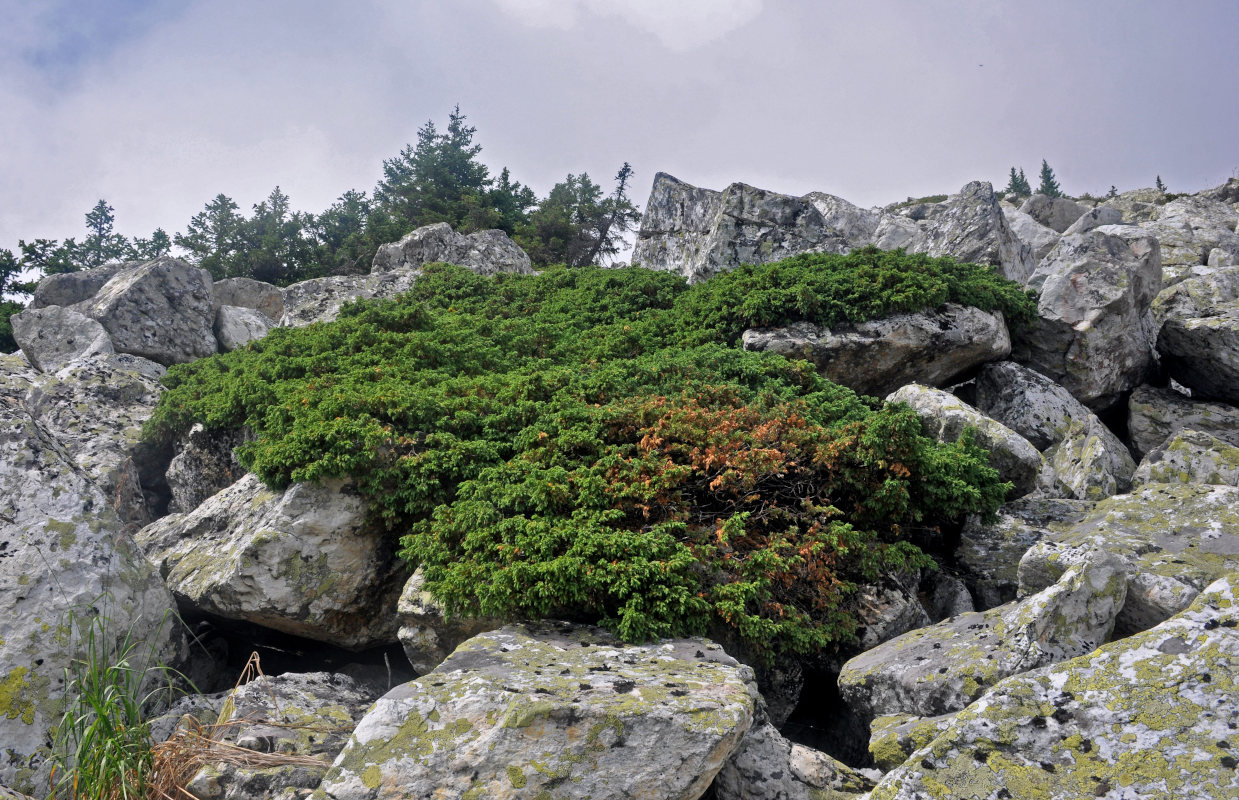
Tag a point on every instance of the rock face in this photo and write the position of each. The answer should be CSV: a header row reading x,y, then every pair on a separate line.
x,y
945,667
879,356
53,337
68,288
236,327
62,549
1191,457
162,310
1094,334
1199,339
484,252
204,464
1174,540
320,299
1155,414
970,226
1056,213
302,561
534,709
1188,229
1148,716
427,634
768,767
945,417
1038,237
249,293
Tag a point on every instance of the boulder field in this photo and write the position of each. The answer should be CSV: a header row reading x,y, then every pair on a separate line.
x,y
1081,643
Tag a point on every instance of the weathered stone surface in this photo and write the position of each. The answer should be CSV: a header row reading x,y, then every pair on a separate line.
x,y
1094,334
970,226
945,595
947,666
1188,228
302,561
945,417
1190,457
55,336
1090,462
879,356
1148,716
236,327
1226,193
769,767
68,288
1095,218
888,609
249,293
1202,353
427,634
161,310
1204,296
553,708
484,252
1028,230
312,716
1174,540
989,553
1056,213
1154,414
205,463
893,738
62,551
320,299
1137,205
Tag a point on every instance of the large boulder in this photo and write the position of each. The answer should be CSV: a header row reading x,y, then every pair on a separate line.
x,y
895,737
1090,462
1174,539
54,336
1056,213
1148,716
236,326
1203,296
1094,334
69,288
945,418
205,463
1191,457
249,293
947,666
303,561
970,226
553,710
1199,338
1028,230
1188,228
1137,205
1095,218
320,299
65,560
427,633
484,252
879,356
1154,414
161,309
769,767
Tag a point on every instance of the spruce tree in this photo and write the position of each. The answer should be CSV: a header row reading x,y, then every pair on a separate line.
x,y
1017,184
1161,187
1049,186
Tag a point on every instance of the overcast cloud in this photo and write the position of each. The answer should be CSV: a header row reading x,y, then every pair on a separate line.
x,y
159,105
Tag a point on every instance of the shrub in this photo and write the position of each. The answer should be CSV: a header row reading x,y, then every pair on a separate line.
x,y
579,444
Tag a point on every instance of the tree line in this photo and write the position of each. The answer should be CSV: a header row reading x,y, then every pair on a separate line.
x,y
438,178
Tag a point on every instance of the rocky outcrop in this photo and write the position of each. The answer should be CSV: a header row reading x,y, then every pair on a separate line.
x,y
1174,540
1090,462
1095,218
1148,716
303,561
970,226
1191,457
484,252
895,737
1028,230
879,356
205,463
55,336
1094,334
1137,205
427,633
1154,414
1189,228
945,417
320,299
945,667
236,327
530,709
249,293
1199,339
769,767
69,288
1056,213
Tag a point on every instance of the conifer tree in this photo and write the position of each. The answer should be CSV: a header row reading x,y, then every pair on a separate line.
x,y
1161,187
1048,186
1018,184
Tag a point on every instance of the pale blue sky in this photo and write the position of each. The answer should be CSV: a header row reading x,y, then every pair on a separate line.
x,y
158,105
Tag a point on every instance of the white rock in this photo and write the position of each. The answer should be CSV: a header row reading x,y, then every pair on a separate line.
x,y
55,336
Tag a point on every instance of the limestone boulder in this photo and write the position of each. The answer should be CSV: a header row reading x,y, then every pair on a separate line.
x,y
320,299
484,252
161,309
1147,716
879,356
945,417
54,336
769,767
1155,414
1191,457
249,293
1028,230
205,463
989,553
533,710
235,327
427,633
69,288
947,666
303,561
1094,334
1174,539
1056,213
65,560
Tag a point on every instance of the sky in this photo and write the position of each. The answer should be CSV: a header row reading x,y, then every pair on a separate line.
x,y
159,105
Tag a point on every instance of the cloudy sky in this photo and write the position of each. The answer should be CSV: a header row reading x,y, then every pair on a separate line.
x,y
159,105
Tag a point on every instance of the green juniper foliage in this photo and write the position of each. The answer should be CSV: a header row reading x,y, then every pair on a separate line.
x,y
585,443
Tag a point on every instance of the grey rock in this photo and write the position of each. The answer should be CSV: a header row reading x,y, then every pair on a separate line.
x,y
888,609
1226,193
1154,414
484,252
1037,236
161,309
895,737
427,633
1030,404
1175,539
769,767
1094,334
236,327
989,553
1219,258
946,596
947,666
1137,205
971,227
1148,716
1202,353
1203,296
1095,218
1090,462
1191,457
945,417
55,336
320,299
68,288
303,561
1188,230
249,293
1056,213
879,356
205,463
530,709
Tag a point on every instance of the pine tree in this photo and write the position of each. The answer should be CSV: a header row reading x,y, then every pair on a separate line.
x,y
213,237
1017,184
1048,186
1161,187
1113,191
157,245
